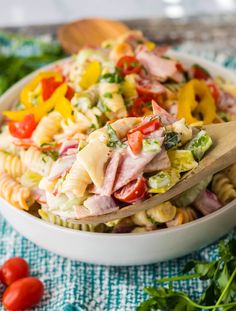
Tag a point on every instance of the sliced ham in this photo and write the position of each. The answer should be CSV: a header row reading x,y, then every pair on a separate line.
x,y
158,67
96,205
67,145
163,115
131,167
227,102
207,202
159,162
62,165
110,174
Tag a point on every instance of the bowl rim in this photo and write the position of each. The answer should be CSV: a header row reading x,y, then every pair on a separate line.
x,y
40,221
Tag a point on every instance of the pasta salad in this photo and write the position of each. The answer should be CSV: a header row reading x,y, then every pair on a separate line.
x,y
109,127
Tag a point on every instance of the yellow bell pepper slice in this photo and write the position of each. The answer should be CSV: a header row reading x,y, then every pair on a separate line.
x,y
40,110
192,110
24,96
91,75
64,107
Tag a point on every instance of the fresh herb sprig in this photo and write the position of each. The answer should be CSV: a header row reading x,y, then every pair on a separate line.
x,y
220,294
114,140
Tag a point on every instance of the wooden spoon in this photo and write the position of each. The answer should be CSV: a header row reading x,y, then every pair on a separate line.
x,y
221,155
91,32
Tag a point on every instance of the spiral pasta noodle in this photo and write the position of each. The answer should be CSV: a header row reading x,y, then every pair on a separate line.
x,y
36,161
76,181
47,128
14,193
183,216
158,214
223,188
231,173
11,164
57,220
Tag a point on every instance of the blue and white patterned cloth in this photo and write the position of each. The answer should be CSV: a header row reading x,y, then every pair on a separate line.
x,y
76,286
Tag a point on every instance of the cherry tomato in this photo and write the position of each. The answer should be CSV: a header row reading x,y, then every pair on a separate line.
x,y
149,89
49,85
135,141
23,294
13,269
23,129
179,67
199,72
140,108
127,65
133,191
147,127
215,91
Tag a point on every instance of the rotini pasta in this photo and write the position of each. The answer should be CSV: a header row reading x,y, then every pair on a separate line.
x,y
57,220
14,193
183,216
76,181
223,188
11,164
159,214
231,173
47,128
36,161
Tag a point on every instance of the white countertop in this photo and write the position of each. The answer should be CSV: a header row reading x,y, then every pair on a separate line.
x,y
29,12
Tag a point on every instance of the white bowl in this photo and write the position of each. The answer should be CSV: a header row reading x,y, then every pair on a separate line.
x,y
122,249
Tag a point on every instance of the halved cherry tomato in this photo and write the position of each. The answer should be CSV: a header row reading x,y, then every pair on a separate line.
x,y
149,89
13,269
23,294
199,72
135,141
49,85
147,127
23,129
179,67
140,108
127,65
215,91
133,191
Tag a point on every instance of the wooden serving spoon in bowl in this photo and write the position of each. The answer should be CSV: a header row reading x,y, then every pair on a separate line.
x,y
221,155
91,32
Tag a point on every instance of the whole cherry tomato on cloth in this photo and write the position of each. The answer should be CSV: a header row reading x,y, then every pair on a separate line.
x,y
23,294
13,269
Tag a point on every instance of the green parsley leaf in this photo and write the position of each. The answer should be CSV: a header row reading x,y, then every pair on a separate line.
x,y
54,154
219,295
114,140
107,95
